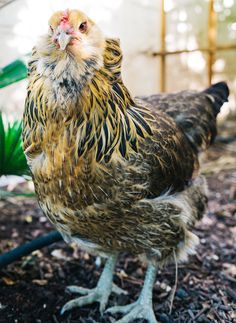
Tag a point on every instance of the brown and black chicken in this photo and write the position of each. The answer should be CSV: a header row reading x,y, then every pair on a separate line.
x,y
112,172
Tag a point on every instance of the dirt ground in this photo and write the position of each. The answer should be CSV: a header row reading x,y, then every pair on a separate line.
x,y
33,289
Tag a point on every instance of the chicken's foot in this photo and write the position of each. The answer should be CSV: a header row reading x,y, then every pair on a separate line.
x,y
98,294
142,308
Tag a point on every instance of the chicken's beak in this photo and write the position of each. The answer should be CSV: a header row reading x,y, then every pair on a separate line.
x,y
63,39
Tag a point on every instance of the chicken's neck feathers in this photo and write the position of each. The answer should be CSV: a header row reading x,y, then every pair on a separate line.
x,y
98,105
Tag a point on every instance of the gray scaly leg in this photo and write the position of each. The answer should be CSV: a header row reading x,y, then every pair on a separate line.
x,y
142,308
98,294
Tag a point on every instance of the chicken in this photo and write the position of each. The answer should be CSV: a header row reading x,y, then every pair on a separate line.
x,y
112,172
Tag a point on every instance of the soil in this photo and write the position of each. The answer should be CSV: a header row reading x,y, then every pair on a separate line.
x,y
33,289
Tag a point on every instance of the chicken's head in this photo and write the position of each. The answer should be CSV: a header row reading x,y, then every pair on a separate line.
x,y
73,32
69,54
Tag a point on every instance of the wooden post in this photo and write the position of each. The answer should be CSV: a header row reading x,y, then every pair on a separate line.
x,y
212,25
163,48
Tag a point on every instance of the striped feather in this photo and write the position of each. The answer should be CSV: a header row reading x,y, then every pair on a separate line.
x,y
109,120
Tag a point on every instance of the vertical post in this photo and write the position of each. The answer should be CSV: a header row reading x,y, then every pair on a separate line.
x,y
212,25
163,47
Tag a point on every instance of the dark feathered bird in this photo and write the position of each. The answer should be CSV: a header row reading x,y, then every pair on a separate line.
x,y
112,172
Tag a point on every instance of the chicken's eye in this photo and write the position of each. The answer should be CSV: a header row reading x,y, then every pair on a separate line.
x,y
83,27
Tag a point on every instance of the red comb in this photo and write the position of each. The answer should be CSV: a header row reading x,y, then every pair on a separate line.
x,y
65,16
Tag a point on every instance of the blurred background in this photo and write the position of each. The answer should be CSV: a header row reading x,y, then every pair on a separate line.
x,y
168,45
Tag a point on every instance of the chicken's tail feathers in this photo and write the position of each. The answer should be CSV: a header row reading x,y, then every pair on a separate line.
x,y
204,121
194,112
218,93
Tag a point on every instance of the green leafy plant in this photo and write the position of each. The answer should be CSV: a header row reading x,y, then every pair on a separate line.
x,y
13,72
12,158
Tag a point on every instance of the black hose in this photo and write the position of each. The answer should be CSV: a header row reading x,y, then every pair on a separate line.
x,y
28,247
225,140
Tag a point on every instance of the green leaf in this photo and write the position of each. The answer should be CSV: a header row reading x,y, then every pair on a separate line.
x,y
2,142
13,72
12,140
5,194
12,158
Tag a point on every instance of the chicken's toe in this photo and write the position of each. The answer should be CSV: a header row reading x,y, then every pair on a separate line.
x,y
134,311
90,296
142,308
98,294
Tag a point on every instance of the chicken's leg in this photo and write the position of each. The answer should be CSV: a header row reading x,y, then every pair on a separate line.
x,y
100,293
142,308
